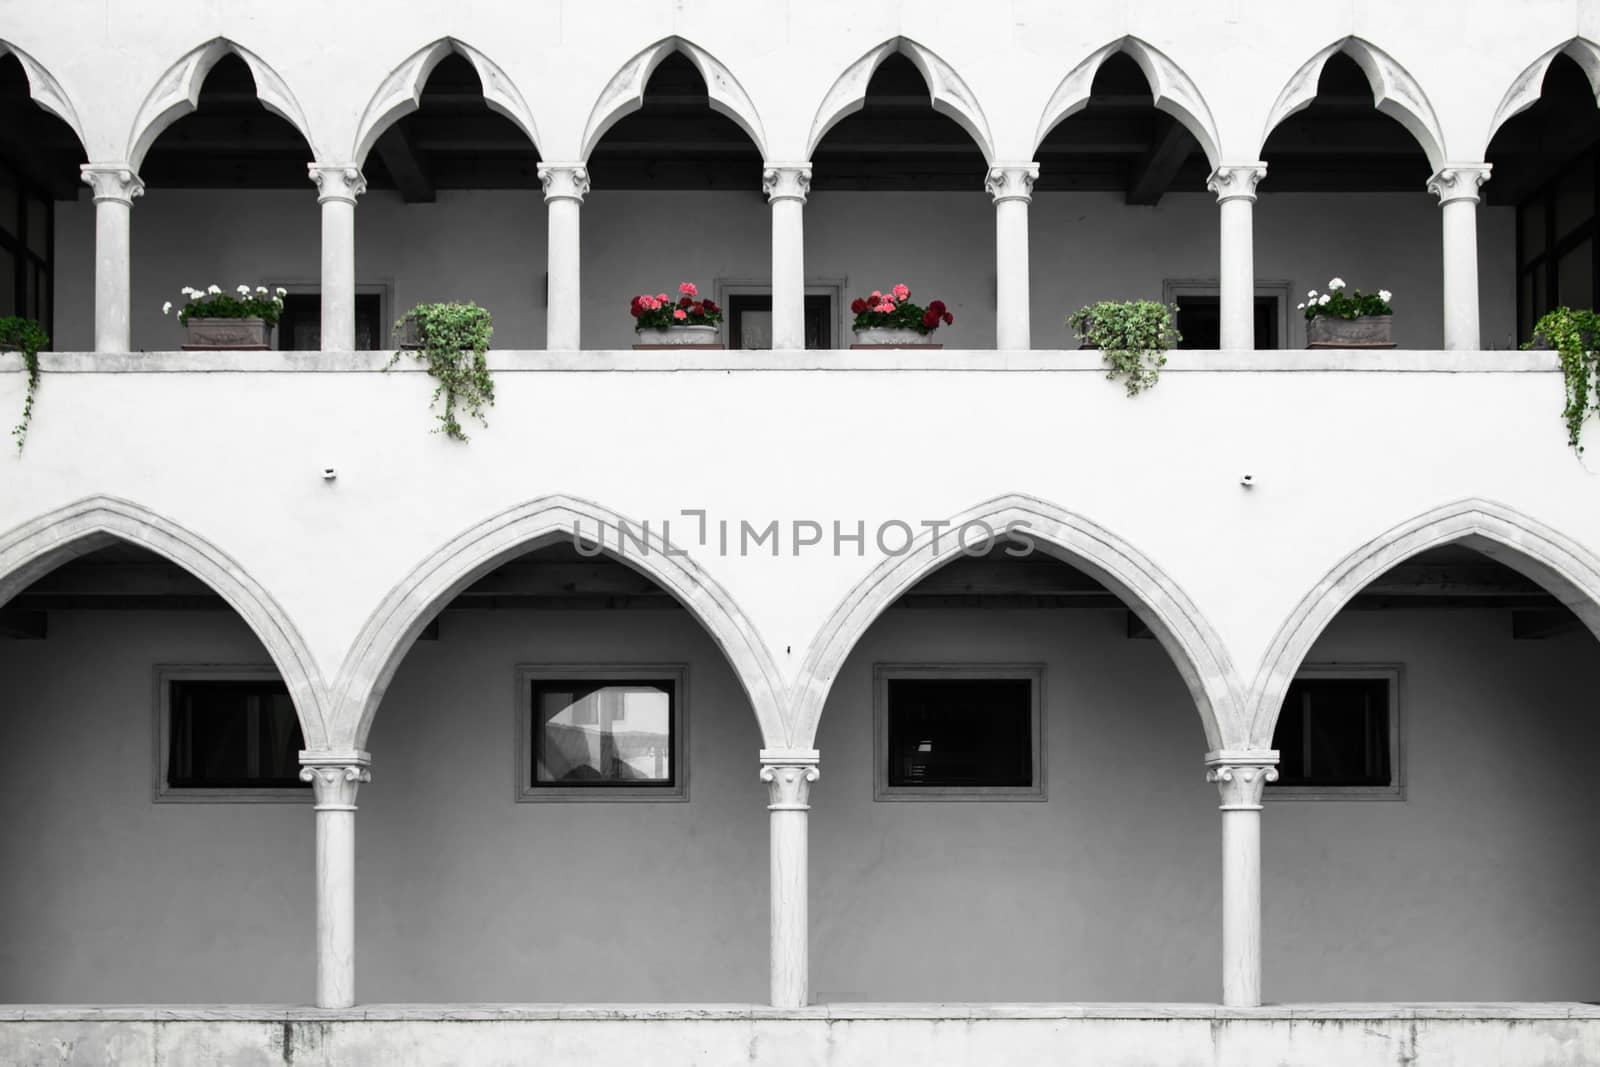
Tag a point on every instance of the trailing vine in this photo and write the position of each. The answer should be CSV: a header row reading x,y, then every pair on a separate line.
x,y
452,340
27,337
1133,337
1573,334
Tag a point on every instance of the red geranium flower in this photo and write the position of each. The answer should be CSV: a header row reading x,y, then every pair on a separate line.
x,y
857,306
929,319
948,318
936,306
685,301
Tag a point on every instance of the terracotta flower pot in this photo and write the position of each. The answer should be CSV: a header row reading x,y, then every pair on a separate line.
x,y
227,335
1369,331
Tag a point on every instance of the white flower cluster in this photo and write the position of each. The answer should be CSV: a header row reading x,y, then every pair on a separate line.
x,y
194,294
1313,299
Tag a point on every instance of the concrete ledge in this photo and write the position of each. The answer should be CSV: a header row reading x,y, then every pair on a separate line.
x,y
1392,361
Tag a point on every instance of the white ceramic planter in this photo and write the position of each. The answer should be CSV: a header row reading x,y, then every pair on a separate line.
x,y
883,336
227,335
679,335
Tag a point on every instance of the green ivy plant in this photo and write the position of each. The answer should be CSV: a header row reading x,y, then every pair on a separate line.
x,y
452,340
1573,334
27,337
1133,337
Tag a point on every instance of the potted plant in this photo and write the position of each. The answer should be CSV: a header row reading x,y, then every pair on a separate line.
x,y
1133,337
892,319
687,323
453,340
1572,333
219,321
27,337
1337,319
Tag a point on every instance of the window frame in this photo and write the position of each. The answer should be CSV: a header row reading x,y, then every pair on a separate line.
x,y
883,673
529,792
165,675
726,288
1172,288
1394,675
382,288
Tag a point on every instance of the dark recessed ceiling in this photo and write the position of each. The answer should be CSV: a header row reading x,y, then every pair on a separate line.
x,y
230,141
1530,148
33,142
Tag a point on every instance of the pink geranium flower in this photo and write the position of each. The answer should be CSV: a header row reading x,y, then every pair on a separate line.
x,y
662,297
688,289
680,314
885,306
901,292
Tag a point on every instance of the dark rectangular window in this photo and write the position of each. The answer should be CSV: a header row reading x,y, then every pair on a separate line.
x,y
1335,732
1199,321
300,324
1558,243
592,733
232,735
960,732
749,320
27,218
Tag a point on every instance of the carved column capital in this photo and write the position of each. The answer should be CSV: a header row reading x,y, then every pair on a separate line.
x,y
564,181
786,181
1236,181
1241,776
1011,181
789,776
112,181
337,181
335,777
1459,181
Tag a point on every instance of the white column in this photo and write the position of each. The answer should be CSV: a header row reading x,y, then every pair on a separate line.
x,y
565,186
1011,185
115,185
335,777
1456,185
789,776
338,185
1235,186
1240,777
786,186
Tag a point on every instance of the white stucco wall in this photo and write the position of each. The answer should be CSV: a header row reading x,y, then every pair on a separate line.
x,y
489,247
1475,887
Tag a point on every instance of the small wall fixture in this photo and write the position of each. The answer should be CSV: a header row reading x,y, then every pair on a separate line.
x,y
329,474
1248,481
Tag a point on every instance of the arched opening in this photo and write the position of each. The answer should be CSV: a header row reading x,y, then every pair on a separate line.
x,y
159,831
1345,197
1426,839
453,210
564,803
1012,772
908,131
1126,178
39,159
1545,171
227,202
663,175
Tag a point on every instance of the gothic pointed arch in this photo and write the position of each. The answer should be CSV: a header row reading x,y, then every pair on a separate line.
x,y
400,93
1562,566
45,89
39,546
624,93
1526,89
1196,649
437,579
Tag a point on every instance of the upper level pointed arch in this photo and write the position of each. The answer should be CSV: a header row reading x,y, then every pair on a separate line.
x,y
400,93
624,93
950,95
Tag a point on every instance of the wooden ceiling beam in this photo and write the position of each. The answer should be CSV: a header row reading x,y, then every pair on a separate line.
x,y
400,157
1166,156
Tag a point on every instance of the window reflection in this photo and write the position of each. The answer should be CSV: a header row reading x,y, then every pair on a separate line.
x,y
594,733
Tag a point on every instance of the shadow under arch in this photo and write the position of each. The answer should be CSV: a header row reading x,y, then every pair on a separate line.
x,y
624,93
37,547
1156,599
1528,86
389,632
177,93
1563,567
1171,91
400,93
950,95
1395,93
45,90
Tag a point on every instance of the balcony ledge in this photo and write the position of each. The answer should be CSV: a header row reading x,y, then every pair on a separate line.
x,y
1389,361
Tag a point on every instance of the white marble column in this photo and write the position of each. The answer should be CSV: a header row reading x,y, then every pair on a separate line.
x,y
1456,185
115,185
335,777
786,186
338,185
1235,186
789,776
1240,778
1011,185
565,186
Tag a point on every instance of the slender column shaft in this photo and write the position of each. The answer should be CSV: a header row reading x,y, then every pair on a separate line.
x,y
1011,185
1235,186
786,186
565,186
338,185
1240,778
335,777
115,185
789,776
1456,185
